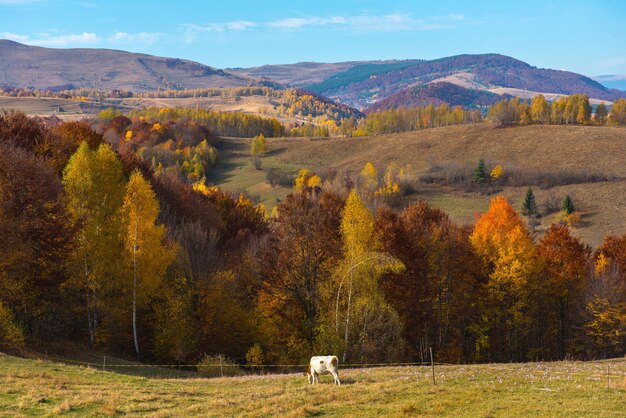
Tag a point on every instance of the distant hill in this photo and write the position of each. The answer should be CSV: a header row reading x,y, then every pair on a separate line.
x,y
467,80
362,84
320,76
106,69
437,93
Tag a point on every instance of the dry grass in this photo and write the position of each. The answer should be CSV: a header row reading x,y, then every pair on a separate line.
x,y
531,148
46,106
29,387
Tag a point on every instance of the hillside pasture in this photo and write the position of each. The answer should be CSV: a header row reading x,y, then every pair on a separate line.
x,y
551,150
48,106
568,389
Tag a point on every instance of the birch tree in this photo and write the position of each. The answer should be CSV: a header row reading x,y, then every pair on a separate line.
x,y
145,252
94,183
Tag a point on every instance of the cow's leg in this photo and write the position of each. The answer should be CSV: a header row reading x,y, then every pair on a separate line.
x,y
308,375
336,376
315,377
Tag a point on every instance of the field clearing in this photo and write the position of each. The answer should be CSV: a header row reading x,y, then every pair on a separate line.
x,y
72,109
568,389
531,148
47,106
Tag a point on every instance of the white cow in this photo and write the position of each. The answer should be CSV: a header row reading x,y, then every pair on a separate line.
x,y
322,365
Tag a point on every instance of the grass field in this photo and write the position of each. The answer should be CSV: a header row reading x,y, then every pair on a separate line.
x,y
564,389
531,148
75,109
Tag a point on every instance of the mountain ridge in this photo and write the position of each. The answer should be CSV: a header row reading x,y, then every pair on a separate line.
x,y
493,71
25,66
470,80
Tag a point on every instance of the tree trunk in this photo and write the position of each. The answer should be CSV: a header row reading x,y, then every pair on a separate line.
x,y
91,320
345,350
135,291
561,330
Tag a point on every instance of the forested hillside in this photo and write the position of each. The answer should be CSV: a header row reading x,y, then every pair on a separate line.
x,y
370,83
143,261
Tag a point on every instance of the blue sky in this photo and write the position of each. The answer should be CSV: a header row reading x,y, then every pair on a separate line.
x,y
588,36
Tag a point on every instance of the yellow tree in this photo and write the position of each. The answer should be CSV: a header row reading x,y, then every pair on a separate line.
x,y
94,184
370,178
504,244
363,262
539,109
259,145
145,252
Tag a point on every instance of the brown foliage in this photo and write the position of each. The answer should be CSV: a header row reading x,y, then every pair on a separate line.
x,y
434,295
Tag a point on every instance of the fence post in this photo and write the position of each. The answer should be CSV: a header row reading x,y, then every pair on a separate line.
x,y
432,365
104,362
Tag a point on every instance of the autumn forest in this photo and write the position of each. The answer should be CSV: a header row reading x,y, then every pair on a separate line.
x,y
112,238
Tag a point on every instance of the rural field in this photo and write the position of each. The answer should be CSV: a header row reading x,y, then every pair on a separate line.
x,y
537,149
69,109
568,389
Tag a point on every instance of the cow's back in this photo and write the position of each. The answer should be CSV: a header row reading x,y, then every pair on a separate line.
x,y
323,363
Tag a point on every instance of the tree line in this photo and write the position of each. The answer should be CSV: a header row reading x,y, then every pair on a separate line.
x,y
568,110
99,250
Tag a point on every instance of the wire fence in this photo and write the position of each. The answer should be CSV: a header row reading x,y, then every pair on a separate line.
x,y
609,371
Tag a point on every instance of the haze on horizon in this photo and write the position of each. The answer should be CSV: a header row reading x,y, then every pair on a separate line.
x,y
580,36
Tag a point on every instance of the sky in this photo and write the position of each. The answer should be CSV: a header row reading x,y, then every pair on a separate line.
x,y
587,37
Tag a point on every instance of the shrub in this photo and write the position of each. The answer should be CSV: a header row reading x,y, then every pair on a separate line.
x,y
11,335
254,356
464,176
569,219
552,204
217,365
573,219
280,178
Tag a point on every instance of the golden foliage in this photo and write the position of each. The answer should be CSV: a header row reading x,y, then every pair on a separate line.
x,y
497,172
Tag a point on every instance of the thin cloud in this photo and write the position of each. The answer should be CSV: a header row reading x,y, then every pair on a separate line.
x,y
14,37
143,37
80,39
44,39
235,25
384,23
192,31
84,38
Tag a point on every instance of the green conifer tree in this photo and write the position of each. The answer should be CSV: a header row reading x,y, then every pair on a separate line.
x,y
529,207
568,206
480,173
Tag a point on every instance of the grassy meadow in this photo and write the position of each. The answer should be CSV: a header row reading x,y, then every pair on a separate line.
x,y
568,389
547,148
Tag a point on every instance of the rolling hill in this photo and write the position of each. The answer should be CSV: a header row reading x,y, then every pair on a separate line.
x,y
466,80
437,93
363,84
550,150
106,69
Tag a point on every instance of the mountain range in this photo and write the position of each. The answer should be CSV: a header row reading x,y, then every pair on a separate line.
x,y
466,80
371,84
106,69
